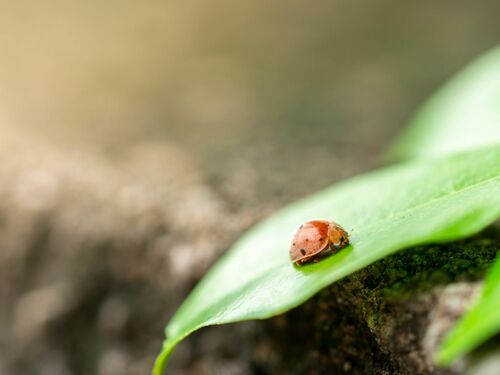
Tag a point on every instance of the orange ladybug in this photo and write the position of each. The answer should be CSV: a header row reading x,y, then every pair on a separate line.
x,y
315,239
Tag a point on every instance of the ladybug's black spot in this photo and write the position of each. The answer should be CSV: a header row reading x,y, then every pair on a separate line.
x,y
293,244
302,251
321,238
307,239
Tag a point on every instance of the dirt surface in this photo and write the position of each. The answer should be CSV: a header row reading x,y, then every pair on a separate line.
x,y
138,142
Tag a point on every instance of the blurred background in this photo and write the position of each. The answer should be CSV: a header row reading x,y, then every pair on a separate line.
x,y
138,140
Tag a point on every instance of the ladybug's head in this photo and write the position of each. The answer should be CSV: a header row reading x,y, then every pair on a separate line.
x,y
344,240
338,236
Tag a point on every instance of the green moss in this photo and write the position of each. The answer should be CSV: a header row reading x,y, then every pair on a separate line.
x,y
372,319
422,268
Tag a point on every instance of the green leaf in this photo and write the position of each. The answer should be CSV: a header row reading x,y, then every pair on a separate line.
x,y
481,322
462,115
387,210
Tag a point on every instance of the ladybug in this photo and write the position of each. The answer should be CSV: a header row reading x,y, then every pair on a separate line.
x,y
315,239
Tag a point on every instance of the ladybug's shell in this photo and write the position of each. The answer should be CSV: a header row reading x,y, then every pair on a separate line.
x,y
310,240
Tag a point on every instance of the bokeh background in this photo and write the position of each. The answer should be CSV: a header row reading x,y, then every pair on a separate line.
x,y
138,140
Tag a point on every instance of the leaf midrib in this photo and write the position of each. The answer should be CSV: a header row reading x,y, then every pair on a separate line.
x,y
418,206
